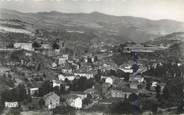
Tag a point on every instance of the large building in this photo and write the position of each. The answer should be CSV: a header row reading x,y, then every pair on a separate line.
x,y
52,100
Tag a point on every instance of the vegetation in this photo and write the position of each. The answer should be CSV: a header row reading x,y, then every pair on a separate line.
x,y
16,94
81,84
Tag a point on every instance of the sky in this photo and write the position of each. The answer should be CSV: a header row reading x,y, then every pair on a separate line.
x,y
151,9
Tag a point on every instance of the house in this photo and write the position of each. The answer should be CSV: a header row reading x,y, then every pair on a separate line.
x,y
122,93
36,113
126,69
46,46
28,54
67,71
56,83
117,93
179,64
61,61
33,91
162,85
61,44
74,101
54,65
66,56
57,51
62,77
93,92
87,75
108,80
52,100
11,104
134,84
79,94
108,66
154,84
25,46
76,66
137,78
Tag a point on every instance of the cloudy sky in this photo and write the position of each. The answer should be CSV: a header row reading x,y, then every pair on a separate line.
x,y
152,9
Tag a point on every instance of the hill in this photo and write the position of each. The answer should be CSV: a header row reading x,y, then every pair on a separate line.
x,y
107,28
175,42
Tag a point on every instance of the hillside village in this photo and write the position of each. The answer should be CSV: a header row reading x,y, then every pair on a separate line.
x,y
40,76
54,63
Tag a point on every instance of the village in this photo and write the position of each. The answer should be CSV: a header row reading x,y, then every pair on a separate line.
x,y
44,78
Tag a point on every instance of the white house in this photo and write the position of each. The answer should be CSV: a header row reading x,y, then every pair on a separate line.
x,y
138,78
28,54
63,77
154,84
11,104
179,64
61,61
33,90
25,46
108,80
126,70
54,65
55,83
74,101
66,56
87,75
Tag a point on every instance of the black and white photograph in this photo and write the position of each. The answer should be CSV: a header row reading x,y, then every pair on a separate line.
x,y
91,57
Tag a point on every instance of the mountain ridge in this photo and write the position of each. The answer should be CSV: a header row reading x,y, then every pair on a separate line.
x,y
106,27
93,12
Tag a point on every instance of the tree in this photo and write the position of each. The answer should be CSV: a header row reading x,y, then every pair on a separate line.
x,y
62,89
36,45
87,100
10,45
16,94
15,56
158,89
148,85
21,92
45,88
133,97
127,77
98,75
57,90
82,84
41,103
95,58
55,45
166,92
125,108
135,67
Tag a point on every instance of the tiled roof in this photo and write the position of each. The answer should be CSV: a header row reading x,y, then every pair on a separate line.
x,y
50,94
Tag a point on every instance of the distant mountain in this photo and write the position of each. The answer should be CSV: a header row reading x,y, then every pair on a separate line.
x,y
107,28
